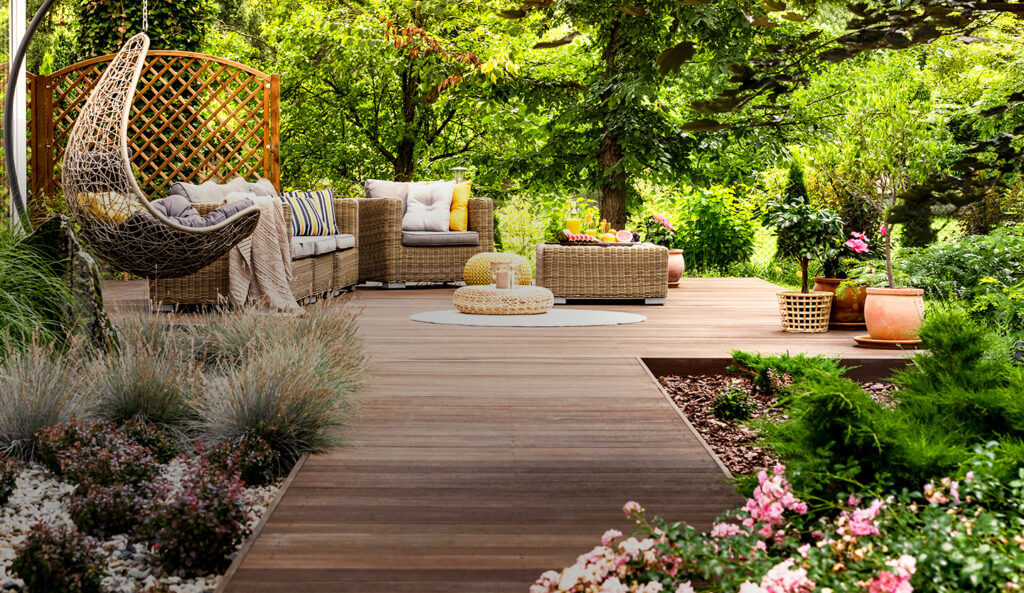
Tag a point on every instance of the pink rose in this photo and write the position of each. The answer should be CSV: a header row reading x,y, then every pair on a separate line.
x,y
857,246
632,507
611,534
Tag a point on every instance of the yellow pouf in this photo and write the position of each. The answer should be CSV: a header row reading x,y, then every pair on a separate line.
x,y
478,268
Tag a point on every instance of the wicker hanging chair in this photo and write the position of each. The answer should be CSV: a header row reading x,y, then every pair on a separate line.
x,y
116,218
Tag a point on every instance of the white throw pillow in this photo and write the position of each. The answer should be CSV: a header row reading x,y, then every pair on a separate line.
x,y
428,207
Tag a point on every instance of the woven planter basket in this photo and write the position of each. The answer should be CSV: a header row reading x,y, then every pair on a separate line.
x,y
805,312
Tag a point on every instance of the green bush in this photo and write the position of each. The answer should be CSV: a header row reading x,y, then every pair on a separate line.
x,y
733,404
59,560
162,444
39,388
770,374
716,229
963,392
957,270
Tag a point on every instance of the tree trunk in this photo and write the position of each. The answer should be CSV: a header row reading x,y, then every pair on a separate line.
x,y
613,181
804,287
609,156
405,153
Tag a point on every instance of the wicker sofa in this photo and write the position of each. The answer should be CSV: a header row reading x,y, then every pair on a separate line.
x,y
393,257
314,276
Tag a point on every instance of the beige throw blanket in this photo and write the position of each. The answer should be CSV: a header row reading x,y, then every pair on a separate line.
x,y
260,267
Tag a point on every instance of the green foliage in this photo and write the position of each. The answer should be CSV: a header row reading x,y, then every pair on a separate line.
x,y
59,559
733,404
961,393
806,231
716,229
771,374
30,295
956,270
161,443
794,193
522,226
104,25
655,228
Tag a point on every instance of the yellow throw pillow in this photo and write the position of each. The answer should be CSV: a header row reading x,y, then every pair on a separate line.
x,y
110,207
459,219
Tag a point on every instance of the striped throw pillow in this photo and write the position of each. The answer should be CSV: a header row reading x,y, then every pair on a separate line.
x,y
312,213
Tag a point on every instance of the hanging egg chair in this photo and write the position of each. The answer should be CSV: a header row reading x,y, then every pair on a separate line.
x,y
117,220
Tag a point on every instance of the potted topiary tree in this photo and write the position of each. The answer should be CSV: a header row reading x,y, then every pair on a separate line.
x,y
809,232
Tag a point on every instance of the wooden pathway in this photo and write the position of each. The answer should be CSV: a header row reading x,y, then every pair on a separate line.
x,y
481,457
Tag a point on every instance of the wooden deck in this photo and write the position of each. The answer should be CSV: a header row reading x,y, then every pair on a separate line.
x,y
481,457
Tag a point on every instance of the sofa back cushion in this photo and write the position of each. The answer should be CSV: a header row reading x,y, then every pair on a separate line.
x,y
428,207
378,188
312,213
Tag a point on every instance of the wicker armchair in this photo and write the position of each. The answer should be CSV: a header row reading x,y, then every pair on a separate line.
x,y
312,277
383,257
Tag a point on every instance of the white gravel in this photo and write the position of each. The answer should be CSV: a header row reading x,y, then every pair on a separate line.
x,y
40,497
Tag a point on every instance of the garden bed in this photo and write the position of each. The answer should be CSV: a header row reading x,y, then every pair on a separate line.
x,y
693,385
129,565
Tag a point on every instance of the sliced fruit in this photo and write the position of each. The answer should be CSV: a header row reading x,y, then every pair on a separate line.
x,y
624,236
608,238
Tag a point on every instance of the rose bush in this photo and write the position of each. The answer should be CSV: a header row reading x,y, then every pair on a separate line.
x,y
954,535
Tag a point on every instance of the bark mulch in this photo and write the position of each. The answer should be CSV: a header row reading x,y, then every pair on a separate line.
x,y
735,442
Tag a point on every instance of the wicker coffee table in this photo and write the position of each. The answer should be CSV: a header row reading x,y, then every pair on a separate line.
x,y
626,272
488,300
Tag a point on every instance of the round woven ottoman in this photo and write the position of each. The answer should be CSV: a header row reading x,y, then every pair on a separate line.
x,y
478,269
488,300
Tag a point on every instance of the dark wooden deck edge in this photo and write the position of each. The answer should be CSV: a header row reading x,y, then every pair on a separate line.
x,y
858,368
249,541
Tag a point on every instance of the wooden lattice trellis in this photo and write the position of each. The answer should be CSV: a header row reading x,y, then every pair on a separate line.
x,y
195,117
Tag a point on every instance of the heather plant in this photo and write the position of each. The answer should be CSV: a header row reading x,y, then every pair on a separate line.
x,y
734,403
943,536
198,525
59,559
38,389
249,456
67,435
106,510
9,470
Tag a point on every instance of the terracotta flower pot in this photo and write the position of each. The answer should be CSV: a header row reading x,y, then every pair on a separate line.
x,y
894,313
848,310
676,266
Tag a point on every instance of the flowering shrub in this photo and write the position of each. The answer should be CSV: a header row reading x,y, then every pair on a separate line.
x,y
103,511
117,460
655,228
249,456
196,527
59,559
74,433
160,443
957,536
9,470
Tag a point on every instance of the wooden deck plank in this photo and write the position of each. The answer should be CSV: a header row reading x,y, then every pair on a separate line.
x,y
480,457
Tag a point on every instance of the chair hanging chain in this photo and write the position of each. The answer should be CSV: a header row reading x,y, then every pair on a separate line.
x,y
145,16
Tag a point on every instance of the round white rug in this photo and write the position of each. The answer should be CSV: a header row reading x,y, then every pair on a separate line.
x,y
553,318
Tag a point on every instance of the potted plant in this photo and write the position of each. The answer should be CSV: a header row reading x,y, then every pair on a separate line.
x,y
850,297
809,232
658,229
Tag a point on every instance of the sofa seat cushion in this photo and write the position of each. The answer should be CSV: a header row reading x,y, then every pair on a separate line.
x,y
440,239
344,241
303,247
